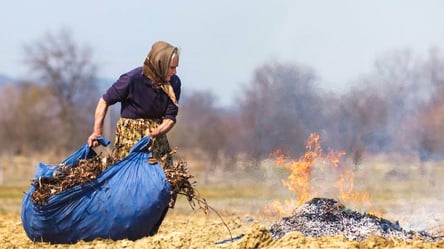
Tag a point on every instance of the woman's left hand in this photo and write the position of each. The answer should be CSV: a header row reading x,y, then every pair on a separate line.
x,y
154,133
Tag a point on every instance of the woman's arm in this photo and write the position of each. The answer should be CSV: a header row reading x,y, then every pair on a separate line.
x,y
163,128
99,117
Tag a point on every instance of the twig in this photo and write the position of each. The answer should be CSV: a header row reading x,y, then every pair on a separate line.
x,y
204,202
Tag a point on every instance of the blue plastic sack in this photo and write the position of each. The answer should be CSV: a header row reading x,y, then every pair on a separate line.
x,y
128,200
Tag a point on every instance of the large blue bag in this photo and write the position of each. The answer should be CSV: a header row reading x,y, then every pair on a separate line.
x,y
128,200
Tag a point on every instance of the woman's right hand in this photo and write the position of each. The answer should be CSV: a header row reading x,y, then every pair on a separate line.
x,y
92,140
99,116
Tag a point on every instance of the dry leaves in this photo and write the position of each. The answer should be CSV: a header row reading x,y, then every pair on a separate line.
x,y
65,177
86,170
179,180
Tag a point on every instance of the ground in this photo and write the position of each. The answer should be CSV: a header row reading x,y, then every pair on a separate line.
x,y
408,194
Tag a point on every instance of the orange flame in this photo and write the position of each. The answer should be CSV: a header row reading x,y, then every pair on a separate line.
x,y
302,172
345,186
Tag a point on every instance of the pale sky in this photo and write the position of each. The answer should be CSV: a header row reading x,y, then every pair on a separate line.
x,y
223,42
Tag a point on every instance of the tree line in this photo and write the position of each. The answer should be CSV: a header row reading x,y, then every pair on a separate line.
x,y
397,107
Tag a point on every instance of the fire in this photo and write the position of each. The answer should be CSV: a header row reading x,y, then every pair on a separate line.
x,y
345,186
306,176
300,170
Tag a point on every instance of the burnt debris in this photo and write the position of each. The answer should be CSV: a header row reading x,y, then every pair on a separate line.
x,y
327,217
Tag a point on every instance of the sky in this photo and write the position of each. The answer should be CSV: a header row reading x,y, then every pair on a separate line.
x,y
222,43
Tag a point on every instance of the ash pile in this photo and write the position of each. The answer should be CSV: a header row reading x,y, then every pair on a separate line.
x,y
327,217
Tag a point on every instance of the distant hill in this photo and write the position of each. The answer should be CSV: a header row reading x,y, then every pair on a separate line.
x,y
5,79
102,83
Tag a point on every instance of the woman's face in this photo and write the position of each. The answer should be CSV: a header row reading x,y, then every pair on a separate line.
x,y
172,69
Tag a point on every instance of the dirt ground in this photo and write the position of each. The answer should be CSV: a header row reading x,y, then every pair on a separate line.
x,y
197,230
186,228
397,193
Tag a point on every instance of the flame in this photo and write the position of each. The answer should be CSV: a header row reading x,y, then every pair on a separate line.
x,y
301,178
345,185
300,170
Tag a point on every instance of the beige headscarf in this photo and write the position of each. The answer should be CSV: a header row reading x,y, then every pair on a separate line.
x,y
156,66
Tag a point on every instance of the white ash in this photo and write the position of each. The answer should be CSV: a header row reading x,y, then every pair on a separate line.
x,y
327,217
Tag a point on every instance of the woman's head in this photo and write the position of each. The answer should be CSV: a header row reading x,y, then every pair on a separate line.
x,y
161,62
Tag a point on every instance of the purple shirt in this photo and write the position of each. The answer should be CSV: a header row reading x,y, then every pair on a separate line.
x,y
140,99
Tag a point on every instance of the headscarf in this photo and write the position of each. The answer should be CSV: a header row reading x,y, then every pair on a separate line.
x,y
156,66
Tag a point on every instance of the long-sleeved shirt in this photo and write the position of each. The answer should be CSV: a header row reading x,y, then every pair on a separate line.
x,y
140,99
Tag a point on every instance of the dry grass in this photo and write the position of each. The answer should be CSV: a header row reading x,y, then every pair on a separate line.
x,y
182,229
399,190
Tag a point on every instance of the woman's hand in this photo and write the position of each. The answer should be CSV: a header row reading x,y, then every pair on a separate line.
x,y
99,116
163,128
154,133
92,140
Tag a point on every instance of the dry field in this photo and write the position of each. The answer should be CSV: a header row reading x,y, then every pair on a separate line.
x,y
399,191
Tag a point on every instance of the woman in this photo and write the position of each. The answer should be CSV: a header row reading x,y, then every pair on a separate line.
x,y
149,104
149,98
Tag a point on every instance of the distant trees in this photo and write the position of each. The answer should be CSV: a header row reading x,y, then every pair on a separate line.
x,y
426,123
391,109
357,121
69,73
279,109
28,118
200,129
54,108
398,107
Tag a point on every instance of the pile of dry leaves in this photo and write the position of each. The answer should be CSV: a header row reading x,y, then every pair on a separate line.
x,y
65,177
86,170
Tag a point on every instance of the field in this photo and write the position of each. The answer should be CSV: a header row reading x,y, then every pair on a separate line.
x,y
399,190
